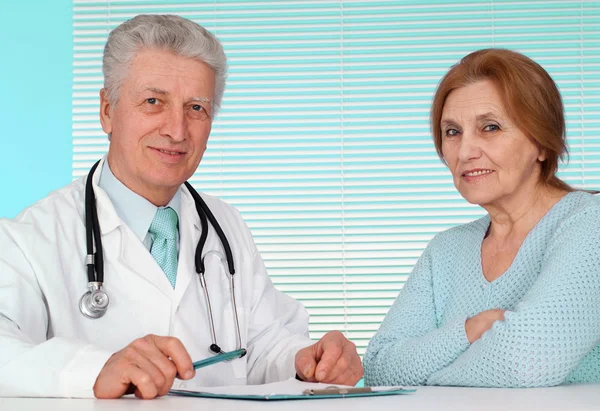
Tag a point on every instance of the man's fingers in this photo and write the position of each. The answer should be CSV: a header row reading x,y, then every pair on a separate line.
x,y
113,386
347,361
306,364
146,367
331,355
145,386
174,349
343,379
147,362
354,372
168,371
160,362
348,377
139,357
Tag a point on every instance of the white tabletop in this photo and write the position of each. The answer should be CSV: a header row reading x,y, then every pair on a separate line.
x,y
573,397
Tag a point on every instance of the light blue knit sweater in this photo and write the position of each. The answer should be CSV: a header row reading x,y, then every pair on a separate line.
x,y
551,331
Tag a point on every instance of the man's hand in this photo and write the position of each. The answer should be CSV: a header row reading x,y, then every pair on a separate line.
x,y
146,368
480,323
333,360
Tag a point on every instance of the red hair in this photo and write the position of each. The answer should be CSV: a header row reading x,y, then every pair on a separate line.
x,y
529,95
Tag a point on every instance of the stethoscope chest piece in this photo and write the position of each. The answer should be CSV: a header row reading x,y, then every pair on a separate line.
x,y
94,303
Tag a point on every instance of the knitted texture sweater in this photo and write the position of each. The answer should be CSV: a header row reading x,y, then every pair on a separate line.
x,y
551,291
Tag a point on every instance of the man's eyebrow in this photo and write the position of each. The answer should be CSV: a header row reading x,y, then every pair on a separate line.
x,y
157,90
164,93
201,99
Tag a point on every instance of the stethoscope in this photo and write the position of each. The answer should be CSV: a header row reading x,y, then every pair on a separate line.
x,y
94,303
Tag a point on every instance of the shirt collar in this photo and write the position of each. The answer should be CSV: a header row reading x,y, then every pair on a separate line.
x,y
133,209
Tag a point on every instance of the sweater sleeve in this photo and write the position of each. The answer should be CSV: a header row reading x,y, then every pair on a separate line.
x,y
409,346
554,326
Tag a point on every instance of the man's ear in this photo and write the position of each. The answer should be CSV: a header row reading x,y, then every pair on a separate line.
x,y
105,113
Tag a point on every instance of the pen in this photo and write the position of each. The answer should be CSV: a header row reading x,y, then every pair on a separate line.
x,y
224,356
337,390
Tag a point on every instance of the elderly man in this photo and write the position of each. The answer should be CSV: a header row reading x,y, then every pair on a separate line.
x,y
146,316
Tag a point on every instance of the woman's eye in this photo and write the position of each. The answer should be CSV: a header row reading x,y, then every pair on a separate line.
x,y
491,127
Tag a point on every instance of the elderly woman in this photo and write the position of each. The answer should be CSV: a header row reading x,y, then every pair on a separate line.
x,y
511,299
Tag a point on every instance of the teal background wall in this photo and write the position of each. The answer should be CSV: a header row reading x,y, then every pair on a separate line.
x,y
35,106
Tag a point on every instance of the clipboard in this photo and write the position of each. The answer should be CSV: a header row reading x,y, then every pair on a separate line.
x,y
291,390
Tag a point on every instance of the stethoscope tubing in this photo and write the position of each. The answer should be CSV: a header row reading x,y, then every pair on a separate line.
x,y
215,347
95,262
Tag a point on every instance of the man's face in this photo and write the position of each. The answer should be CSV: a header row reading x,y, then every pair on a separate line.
x,y
160,124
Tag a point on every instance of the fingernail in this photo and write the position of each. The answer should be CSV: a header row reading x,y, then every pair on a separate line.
x,y
307,371
188,374
320,375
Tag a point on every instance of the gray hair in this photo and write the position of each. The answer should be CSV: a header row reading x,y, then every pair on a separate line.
x,y
176,34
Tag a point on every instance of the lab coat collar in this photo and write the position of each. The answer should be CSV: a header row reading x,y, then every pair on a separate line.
x,y
135,210
107,215
123,252
187,201
136,258
189,234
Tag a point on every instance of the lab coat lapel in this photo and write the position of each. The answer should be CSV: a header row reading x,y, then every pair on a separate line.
x,y
133,277
130,250
148,286
131,267
189,233
138,260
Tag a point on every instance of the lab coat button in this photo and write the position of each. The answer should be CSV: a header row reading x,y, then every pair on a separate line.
x,y
177,309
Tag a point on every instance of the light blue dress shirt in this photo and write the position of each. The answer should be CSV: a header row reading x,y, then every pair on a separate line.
x,y
135,211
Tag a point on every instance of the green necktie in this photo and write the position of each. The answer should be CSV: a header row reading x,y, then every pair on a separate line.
x,y
164,246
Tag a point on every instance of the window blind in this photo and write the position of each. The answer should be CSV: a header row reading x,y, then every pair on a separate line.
x,y
323,141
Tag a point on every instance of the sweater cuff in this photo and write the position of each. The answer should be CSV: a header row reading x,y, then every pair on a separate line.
x,y
456,336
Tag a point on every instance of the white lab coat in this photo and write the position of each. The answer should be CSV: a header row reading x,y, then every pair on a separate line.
x,y
48,348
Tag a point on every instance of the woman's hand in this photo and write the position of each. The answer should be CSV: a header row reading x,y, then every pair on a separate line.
x,y
480,323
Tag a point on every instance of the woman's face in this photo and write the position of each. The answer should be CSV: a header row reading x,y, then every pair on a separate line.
x,y
490,158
